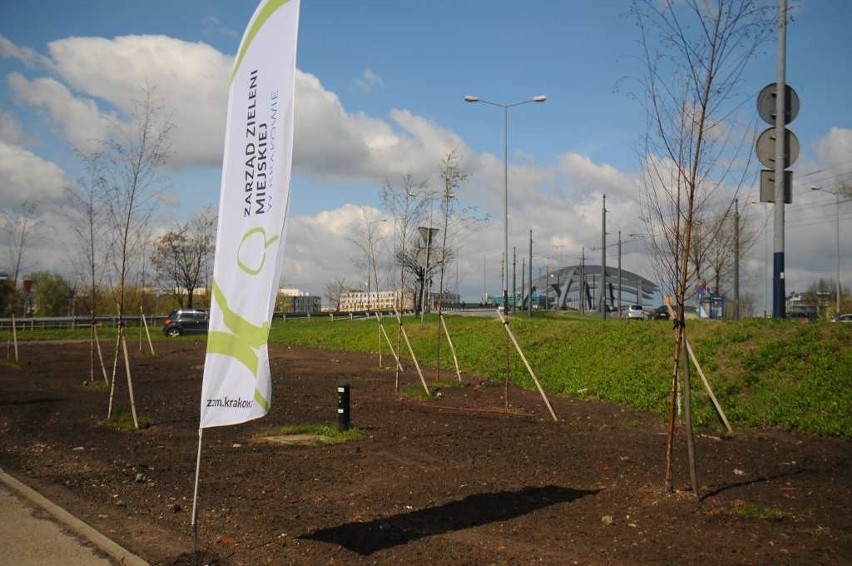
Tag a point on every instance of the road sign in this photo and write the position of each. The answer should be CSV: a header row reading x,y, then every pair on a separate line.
x,y
767,186
766,103
765,148
428,234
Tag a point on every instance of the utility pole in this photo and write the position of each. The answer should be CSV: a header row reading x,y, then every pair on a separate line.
x,y
514,280
523,281
603,259
736,259
583,281
484,285
529,307
619,273
837,253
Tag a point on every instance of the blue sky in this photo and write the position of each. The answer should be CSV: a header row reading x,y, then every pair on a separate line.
x,y
380,93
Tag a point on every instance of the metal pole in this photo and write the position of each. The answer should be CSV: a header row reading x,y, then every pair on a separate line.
x,y
529,307
779,293
619,273
506,209
514,278
603,259
523,279
583,281
736,259
369,256
837,252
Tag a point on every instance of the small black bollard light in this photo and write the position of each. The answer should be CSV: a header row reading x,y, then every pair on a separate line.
x,y
342,407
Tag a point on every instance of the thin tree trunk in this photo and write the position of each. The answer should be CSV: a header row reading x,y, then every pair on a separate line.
x,y
673,407
687,407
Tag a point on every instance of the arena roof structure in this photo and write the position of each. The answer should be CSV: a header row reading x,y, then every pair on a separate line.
x,y
563,288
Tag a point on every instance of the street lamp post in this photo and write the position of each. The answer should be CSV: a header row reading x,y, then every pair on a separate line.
x,y
837,249
505,107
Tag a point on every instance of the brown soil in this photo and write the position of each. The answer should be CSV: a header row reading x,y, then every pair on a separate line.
x,y
452,480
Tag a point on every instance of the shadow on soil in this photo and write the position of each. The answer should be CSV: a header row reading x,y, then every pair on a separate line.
x,y
472,511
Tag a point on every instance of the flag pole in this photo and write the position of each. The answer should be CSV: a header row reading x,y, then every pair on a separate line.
x,y
194,524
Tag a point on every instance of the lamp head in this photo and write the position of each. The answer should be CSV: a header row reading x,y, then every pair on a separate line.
x,y
539,98
470,98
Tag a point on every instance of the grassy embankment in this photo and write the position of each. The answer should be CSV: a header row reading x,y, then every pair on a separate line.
x,y
765,373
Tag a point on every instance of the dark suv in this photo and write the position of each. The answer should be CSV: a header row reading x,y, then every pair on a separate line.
x,y
185,321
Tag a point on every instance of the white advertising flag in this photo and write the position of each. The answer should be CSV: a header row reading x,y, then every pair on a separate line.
x,y
252,211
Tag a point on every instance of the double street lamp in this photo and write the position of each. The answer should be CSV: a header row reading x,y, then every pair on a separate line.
x,y
837,249
505,106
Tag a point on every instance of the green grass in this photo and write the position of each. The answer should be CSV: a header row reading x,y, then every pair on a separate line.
x,y
123,420
329,435
765,373
755,511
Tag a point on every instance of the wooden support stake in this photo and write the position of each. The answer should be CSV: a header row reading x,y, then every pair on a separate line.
x,y
129,382
100,354
527,364
147,333
687,406
716,404
413,357
452,347
390,346
15,336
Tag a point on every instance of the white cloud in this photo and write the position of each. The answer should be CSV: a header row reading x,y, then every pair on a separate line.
x,y
835,149
26,176
191,79
27,56
334,145
10,129
211,25
79,119
368,81
306,268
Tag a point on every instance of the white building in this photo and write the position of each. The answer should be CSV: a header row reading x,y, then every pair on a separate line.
x,y
357,300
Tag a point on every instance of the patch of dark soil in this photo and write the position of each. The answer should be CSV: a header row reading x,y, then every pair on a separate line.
x,y
451,480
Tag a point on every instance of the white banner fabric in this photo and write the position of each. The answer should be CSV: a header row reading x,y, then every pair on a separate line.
x,y
252,211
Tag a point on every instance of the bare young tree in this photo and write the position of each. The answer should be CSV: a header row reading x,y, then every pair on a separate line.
x,y
134,158
722,249
85,211
411,205
182,256
19,224
368,241
694,52
453,176
407,205
334,291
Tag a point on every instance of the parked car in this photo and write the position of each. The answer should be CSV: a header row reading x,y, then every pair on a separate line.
x,y
185,321
661,313
843,318
636,312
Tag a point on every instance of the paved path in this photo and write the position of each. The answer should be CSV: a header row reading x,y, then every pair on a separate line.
x,y
35,532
